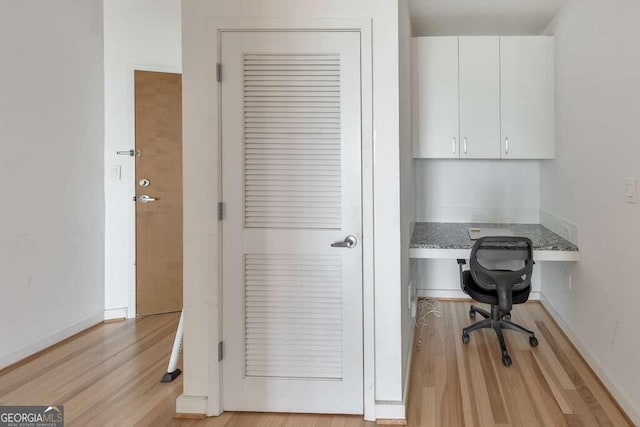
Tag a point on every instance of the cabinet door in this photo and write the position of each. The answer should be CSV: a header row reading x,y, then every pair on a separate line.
x,y
527,100
436,97
480,97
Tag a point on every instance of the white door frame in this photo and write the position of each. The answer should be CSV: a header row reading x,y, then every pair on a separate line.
x,y
363,26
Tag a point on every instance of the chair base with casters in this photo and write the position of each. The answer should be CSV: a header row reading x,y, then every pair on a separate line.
x,y
498,323
494,319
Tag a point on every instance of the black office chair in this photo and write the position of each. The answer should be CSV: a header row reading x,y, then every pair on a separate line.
x,y
500,288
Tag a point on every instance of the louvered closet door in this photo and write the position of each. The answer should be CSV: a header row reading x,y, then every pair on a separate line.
x,y
291,150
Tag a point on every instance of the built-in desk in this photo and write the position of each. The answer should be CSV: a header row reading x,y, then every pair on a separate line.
x,y
443,240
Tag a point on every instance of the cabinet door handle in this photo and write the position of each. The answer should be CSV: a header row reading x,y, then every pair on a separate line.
x,y
506,145
465,145
454,145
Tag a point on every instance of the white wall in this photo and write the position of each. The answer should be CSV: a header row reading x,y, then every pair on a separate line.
x,y
407,199
201,186
598,146
143,35
498,191
51,179
478,190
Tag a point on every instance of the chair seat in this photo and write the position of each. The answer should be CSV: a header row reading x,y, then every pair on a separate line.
x,y
471,288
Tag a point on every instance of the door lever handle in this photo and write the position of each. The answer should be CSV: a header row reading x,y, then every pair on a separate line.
x,y
349,242
146,199
131,153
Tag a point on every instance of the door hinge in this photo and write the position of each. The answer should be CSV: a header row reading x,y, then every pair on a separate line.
x,y
220,211
220,350
219,72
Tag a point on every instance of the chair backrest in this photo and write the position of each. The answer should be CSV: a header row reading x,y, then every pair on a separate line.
x,y
489,251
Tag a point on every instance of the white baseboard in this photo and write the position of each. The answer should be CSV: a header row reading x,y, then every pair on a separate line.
x,y
50,340
457,294
115,313
186,404
390,411
442,293
626,403
407,373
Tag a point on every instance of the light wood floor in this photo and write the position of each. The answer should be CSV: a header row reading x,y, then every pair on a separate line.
x,y
110,375
454,384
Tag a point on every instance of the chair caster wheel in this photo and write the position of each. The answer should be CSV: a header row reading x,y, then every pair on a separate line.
x,y
533,341
506,360
472,314
466,338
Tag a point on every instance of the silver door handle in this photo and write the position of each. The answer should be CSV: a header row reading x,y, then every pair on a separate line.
x,y
146,199
130,153
506,145
348,242
454,145
465,145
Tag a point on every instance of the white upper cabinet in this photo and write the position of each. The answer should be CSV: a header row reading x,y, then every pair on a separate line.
x,y
483,97
436,97
480,97
527,102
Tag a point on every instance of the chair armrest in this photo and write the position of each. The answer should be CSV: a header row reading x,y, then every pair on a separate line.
x,y
461,262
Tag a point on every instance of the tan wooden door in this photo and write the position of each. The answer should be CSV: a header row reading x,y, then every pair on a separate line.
x,y
158,127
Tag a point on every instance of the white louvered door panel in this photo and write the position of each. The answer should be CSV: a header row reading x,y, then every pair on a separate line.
x,y
292,141
293,306
291,160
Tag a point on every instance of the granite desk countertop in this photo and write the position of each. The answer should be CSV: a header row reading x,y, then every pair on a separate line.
x,y
444,235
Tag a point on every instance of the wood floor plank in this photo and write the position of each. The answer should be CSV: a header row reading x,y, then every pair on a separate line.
x,y
109,376
428,407
116,389
111,362
14,378
575,376
554,386
494,390
77,362
450,405
479,382
544,352
519,405
469,406
554,402
546,408
581,409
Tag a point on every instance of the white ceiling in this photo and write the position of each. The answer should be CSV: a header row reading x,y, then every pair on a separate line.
x,y
482,17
